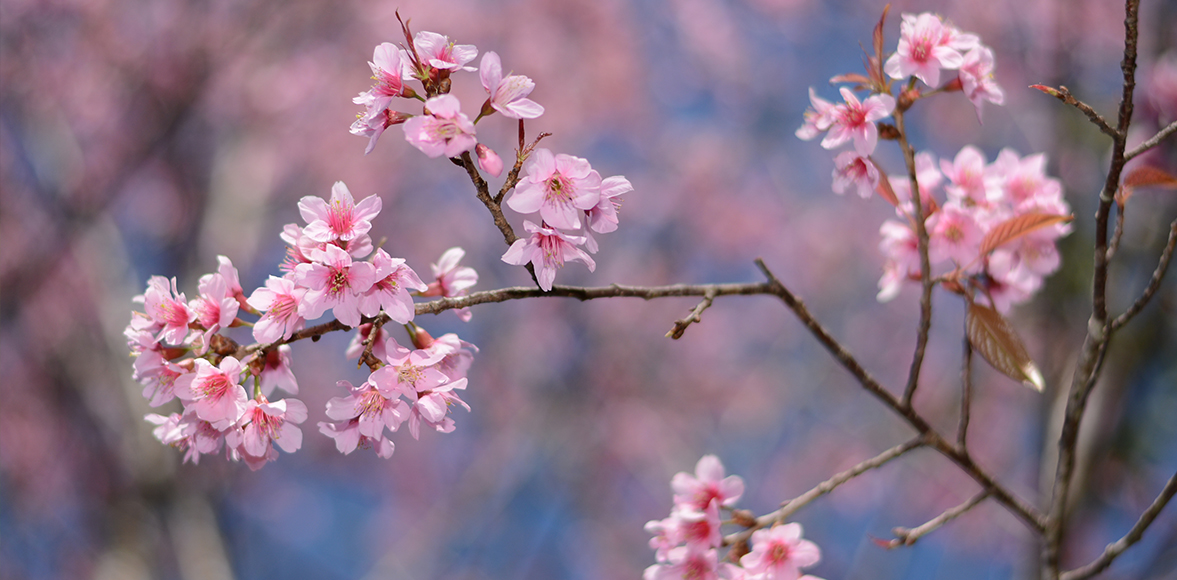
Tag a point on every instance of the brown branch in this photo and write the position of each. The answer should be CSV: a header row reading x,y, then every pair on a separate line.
x,y
1065,96
921,233
1116,548
907,537
1153,285
680,326
496,211
1152,142
966,395
1118,232
1018,506
1090,360
790,507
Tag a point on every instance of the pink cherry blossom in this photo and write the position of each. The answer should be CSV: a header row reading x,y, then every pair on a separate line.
x,y
684,563
387,70
440,53
432,407
356,347
900,247
976,78
954,234
232,281
336,283
374,127
215,308
408,372
264,424
390,291
452,280
779,553
508,95
697,491
167,309
969,181
818,117
602,218
445,130
850,168
547,249
342,219
348,438
927,45
194,436
457,355
374,409
214,393
279,302
160,387
855,120
556,186
277,372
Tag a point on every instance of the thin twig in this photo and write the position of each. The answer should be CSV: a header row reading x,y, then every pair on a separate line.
x,y
1152,142
370,343
907,537
1018,506
1118,232
921,234
966,395
1153,285
680,326
1090,360
790,507
1066,97
496,211
1116,548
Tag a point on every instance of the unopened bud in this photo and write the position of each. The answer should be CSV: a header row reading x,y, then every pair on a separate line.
x,y
421,338
488,160
743,518
888,131
953,85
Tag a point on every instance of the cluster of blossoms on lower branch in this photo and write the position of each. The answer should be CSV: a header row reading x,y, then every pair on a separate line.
x,y
687,543
330,265
572,200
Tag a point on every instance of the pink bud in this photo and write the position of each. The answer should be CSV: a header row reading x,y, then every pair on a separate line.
x,y
488,160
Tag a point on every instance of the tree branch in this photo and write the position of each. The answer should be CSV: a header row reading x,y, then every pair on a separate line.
x,y
966,395
1152,142
1153,285
907,537
680,326
1116,548
790,507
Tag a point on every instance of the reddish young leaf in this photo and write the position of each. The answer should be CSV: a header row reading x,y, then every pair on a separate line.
x,y
884,188
1144,176
855,78
1016,227
993,337
1048,90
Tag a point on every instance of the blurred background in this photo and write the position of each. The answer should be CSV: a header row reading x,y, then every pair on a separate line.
x,y
147,137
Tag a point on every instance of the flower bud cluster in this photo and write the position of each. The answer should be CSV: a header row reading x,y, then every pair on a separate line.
x,y
572,200
180,353
686,544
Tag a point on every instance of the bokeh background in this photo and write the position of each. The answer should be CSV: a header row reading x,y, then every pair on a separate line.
x,y
146,137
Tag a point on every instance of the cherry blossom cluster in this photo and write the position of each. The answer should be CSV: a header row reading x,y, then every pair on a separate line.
x,y
687,543
978,196
572,200
181,354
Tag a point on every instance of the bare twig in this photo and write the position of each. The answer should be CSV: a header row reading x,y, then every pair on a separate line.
x,y
1091,357
1065,96
1117,233
790,507
921,234
1018,506
370,343
1153,284
907,537
1152,142
966,395
1116,548
680,326
496,211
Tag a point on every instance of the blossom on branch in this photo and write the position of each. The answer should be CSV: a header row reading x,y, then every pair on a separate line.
x,y
443,130
547,249
559,187
927,45
855,120
343,219
508,95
